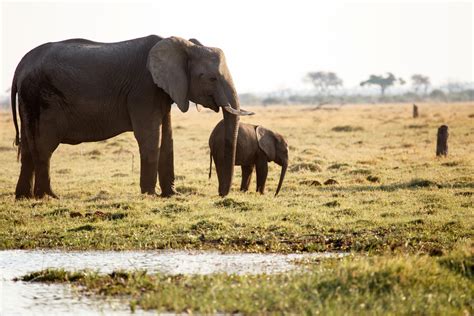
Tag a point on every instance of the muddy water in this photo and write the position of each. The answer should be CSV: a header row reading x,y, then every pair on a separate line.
x,y
20,298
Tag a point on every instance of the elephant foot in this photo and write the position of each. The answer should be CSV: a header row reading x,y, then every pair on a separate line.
x,y
53,195
149,192
147,188
169,193
23,191
23,195
42,194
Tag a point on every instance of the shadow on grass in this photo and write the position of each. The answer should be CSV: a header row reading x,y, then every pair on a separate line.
x,y
411,185
82,228
233,204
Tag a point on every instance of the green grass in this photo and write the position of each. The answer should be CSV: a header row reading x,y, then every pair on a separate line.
x,y
390,198
393,285
392,195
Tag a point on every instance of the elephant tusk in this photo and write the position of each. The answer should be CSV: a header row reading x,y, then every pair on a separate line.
x,y
198,107
231,110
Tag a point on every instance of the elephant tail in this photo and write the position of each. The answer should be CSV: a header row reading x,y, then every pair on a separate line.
x,y
210,164
14,90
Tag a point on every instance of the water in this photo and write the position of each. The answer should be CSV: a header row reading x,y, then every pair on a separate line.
x,y
21,298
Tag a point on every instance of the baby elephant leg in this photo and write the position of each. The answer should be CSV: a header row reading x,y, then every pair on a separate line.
x,y
262,172
246,177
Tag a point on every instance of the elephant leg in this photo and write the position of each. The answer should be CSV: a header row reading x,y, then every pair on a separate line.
x,y
166,161
42,177
42,147
218,157
24,186
262,172
148,143
246,177
146,118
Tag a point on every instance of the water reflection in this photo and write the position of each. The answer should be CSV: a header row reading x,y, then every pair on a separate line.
x,y
20,298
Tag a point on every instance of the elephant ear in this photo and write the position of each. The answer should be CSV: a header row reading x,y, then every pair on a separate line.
x,y
266,142
167,63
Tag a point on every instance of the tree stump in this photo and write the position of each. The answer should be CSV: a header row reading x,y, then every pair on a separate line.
x,y
415,111
442,142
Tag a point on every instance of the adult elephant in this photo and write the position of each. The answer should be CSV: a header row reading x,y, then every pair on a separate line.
x,y
78,90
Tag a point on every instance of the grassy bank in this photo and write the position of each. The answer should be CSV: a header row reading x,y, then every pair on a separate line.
x,y
392,193
402,285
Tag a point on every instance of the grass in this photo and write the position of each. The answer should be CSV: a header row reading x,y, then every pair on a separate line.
x,y
391,194
401,285
364,179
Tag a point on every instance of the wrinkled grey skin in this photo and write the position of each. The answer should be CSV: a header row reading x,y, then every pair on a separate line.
x,y
256,146
78,91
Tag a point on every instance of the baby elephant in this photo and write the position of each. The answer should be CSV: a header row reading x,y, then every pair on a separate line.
x,y
256,145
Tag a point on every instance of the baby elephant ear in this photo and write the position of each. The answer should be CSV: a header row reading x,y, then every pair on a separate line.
x,y
266,142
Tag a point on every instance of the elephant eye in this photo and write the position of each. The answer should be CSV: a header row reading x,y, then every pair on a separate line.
x,y
213,79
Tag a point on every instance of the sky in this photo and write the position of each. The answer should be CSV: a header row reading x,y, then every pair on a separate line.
x,y
269,45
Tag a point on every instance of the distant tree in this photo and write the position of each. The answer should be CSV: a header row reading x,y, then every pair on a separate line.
x,y
382,82
249,98
454,86
282,93
323,81
418,81
272,100
438,94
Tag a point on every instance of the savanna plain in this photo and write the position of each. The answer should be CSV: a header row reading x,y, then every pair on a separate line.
x,y
404,215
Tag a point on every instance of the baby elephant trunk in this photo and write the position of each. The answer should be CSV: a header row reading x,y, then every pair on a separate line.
x,y
282,176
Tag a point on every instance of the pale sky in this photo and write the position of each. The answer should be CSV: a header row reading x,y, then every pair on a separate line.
x,y
269,45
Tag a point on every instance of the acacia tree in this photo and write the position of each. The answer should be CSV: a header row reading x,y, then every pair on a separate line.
x,y
418,81
323,81
382,82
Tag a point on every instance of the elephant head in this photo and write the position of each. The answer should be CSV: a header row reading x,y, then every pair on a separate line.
x,y
275,148
188,71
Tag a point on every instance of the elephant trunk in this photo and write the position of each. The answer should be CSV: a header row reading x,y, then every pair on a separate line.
x,y
228,99
231,123
231,129
282,176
